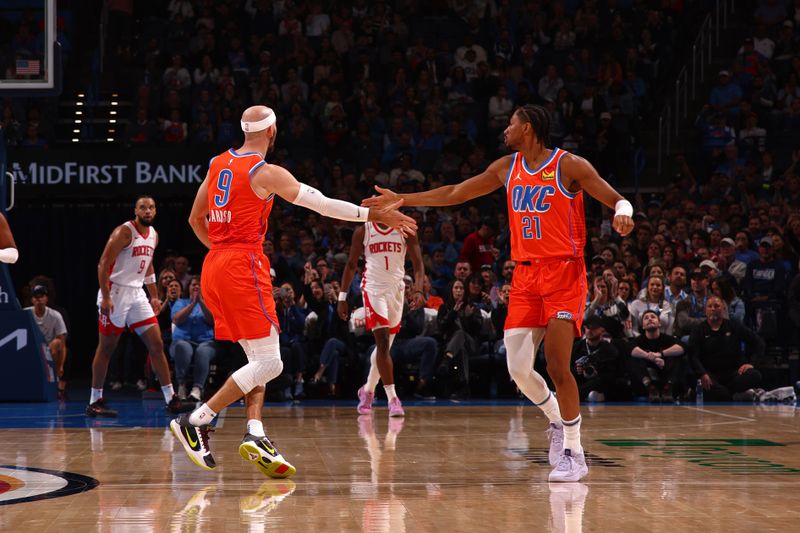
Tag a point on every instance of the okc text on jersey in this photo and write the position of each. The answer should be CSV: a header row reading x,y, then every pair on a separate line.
x,y
531,198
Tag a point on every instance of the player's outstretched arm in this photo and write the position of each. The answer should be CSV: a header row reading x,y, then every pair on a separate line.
x,y
8,249
356,250
119,239
581,171
487,181
275,179
198,218
415,254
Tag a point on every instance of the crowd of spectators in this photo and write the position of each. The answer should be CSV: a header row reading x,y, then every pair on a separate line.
x,y
367,94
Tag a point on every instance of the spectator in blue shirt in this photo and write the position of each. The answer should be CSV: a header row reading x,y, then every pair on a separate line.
x,y
725,97
192,340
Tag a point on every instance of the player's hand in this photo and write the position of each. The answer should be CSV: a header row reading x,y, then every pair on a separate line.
x,y
106,306
387,197
417,301
390,216
705,381
342,309
155,303
623,225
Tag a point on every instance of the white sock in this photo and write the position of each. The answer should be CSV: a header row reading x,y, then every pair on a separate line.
x,y
168,392
202,415
572,435
97,394
390,393
550,409
374,376
255,427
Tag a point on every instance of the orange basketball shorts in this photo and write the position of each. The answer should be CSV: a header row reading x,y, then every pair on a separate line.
x,y
547,289
237,289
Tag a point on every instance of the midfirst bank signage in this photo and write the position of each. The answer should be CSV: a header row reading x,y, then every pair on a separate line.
x,y
95,171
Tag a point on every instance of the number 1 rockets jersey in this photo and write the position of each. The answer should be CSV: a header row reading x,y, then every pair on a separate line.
x,y
384,257
545,219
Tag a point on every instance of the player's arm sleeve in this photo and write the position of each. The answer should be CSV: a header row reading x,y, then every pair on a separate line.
x,y
313,199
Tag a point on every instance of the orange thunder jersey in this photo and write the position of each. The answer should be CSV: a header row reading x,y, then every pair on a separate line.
x,y
236,215
545,219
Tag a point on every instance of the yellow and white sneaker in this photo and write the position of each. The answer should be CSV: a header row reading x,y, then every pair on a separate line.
x,y
262,453
195,441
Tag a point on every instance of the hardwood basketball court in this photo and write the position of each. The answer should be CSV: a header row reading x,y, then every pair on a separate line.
x,y
445,467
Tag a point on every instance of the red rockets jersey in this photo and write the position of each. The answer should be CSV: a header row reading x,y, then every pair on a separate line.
x,y
236,214
545,219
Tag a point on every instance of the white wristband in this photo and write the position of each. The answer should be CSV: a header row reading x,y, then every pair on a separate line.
x,y
342,296
8,255
623,208
149,279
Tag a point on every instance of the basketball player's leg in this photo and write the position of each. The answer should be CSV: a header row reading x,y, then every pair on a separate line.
x,y
264,364
524,330
563,309
106,345
150,333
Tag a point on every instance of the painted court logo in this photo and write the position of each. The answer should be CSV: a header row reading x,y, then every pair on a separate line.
x,y
723,455
24,484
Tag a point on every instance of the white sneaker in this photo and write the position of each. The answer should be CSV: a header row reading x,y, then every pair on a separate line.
x,y
115,385
196,394
570,467
141,385
595,396
556,435
182,392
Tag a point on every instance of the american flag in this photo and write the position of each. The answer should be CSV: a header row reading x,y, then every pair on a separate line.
x,y
28,67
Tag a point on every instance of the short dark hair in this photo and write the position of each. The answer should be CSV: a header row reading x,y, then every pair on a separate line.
x,y
143,197
539,119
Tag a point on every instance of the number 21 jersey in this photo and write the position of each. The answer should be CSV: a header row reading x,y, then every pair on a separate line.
x,y
546,220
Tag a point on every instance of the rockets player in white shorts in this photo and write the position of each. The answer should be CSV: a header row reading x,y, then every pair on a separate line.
x,y
383,289
125,267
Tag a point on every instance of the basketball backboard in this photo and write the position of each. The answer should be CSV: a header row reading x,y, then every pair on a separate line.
x,y
30,62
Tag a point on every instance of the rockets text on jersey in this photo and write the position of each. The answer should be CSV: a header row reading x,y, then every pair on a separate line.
x,y
384,256
132,263
546,220
236,214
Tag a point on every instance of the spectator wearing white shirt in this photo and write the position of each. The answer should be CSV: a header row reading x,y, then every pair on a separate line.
x,y
53,329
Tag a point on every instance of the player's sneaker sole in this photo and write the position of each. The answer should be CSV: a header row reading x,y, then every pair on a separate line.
x,y
190,439
272,465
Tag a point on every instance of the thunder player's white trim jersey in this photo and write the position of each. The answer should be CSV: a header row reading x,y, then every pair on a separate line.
x,y
133,261
384,257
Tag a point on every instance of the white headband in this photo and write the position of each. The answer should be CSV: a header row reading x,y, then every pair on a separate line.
x,y
259,125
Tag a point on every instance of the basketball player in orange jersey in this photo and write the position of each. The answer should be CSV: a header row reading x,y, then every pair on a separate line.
x,y
383,288
544,192
126,265
229,216
8,249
